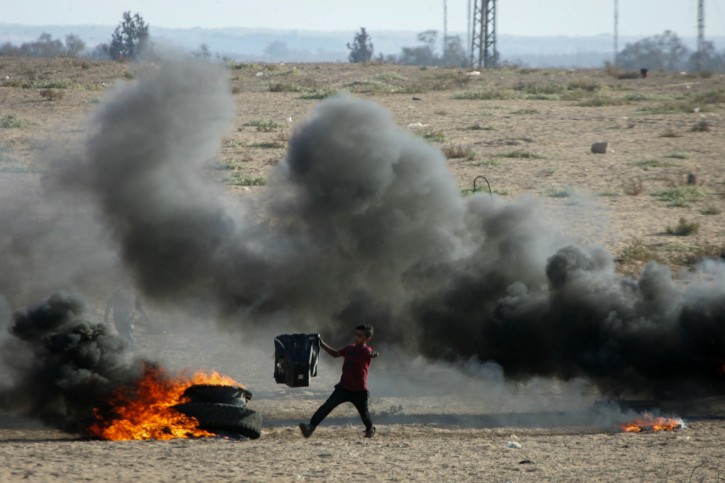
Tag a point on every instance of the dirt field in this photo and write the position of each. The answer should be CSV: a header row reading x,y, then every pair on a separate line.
x,y
528,132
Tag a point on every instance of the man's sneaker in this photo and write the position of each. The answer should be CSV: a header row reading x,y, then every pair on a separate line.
x,y
306,429
369,433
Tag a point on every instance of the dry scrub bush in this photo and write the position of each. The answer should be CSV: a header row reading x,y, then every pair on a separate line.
x,y
51,94
633,187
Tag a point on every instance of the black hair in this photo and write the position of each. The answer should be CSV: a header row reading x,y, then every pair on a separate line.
x,y
368,329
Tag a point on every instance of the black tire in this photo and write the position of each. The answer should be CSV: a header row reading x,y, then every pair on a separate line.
x,y
213,393
224,417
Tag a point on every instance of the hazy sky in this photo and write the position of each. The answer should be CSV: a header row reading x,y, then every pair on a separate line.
x,y
519,17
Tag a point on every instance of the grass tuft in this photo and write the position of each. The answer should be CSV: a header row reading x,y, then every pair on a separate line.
x,y
243,180
683,228
521,154
11,121
680,196
262,125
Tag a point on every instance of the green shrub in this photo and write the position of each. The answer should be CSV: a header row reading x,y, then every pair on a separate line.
x,y
683,228
262,125
319,94
680,196
11,121
243,180
435,136
284,87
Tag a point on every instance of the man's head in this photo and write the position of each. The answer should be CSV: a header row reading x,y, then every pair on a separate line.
x,y
363,334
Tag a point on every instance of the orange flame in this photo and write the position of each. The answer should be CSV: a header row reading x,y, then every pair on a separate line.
x,y
145,411
647,422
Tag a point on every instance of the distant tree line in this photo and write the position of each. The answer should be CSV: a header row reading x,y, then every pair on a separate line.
x,y
666,51
128,39
45,46
453,55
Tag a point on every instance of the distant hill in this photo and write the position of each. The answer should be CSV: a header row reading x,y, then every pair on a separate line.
x,y
247,44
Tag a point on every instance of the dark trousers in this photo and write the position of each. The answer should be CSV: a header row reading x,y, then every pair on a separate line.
x,y
359,399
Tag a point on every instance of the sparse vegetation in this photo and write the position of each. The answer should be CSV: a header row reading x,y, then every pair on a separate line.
x,y
602,101
319,94
284,87
51,94
435,136
683,228
559,193
486,95
489,163
670,133
11,121
244,180
680,196
262,125
521,154
701,126
458,152
677,155
647,164
267,145
478,127
711,210
633,187
526,111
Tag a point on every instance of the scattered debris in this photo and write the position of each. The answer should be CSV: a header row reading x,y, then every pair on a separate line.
x,y
513,444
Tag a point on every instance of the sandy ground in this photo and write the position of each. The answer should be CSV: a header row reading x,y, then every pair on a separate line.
x,y
433,422
453,429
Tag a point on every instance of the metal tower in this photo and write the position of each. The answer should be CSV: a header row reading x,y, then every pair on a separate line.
x,y
445,27
701,35
483,34
616,33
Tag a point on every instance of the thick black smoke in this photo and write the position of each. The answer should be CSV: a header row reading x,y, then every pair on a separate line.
x,y
363,221
62,366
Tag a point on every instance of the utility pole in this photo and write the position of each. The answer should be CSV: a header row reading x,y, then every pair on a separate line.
x,y
483,34
468,29
701,35
445,29
616,33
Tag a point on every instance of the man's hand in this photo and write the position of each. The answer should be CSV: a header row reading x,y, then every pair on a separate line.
x,y
374,355
329,349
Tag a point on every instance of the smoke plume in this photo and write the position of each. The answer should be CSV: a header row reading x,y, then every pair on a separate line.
x,y
62,366
362,221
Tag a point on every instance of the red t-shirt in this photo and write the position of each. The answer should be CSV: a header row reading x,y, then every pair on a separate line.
x,y
355,368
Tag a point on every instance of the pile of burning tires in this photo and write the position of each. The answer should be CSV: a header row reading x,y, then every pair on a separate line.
x,y
222,410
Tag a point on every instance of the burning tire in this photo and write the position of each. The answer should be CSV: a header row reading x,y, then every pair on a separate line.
x,y
224,417
212,393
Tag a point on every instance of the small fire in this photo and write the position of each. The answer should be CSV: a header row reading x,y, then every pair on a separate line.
x,y
145,410
648,422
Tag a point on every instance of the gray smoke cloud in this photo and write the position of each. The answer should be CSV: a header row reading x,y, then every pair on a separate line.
x,y
362,221
62,366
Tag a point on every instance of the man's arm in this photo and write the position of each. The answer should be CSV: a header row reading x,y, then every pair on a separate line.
x,y
329,349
